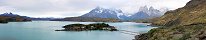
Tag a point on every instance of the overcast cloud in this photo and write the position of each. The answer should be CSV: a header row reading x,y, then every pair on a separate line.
x,y
71,8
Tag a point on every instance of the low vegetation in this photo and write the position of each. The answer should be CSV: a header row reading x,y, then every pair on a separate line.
x,y
4,19
82,27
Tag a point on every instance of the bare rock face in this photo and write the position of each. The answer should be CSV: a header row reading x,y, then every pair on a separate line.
x,y
186,23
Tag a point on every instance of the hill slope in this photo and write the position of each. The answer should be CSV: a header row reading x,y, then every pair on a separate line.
x,y
9,17
193,12
187,23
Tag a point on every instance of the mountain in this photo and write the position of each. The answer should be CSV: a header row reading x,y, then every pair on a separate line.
x,y
10,17
9,14
145,12
186,23
163,10
104,13
98,14
154,12
139,15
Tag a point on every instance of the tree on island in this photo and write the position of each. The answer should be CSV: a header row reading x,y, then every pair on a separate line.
x,y
82,27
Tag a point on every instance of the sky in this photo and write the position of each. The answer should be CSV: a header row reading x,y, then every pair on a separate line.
x,y
72,8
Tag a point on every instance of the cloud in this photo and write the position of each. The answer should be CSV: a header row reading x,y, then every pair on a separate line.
x,y
69,8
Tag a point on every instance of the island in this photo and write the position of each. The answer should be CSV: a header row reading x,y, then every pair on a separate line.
x,y
89,27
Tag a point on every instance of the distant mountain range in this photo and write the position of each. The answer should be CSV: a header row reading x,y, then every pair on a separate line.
x,y
104,13
10,17
10,14
143,13
100,14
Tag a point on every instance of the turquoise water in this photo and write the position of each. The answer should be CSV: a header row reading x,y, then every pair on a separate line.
x,y
44,30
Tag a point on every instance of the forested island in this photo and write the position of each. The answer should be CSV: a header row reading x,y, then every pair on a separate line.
x,y
83,27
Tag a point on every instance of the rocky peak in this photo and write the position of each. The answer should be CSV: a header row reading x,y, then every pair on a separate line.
x,y
105,10
144,8
145,12
152,8
104,13
8,14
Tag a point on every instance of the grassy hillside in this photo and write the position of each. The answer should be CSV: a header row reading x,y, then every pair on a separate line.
x,y
193,12
186,23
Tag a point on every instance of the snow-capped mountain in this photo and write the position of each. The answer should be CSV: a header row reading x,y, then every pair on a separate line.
x,y
139,15
163,10
9,14
144,12
105,13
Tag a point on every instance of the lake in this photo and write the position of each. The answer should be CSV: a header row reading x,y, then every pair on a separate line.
x,y
44,30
